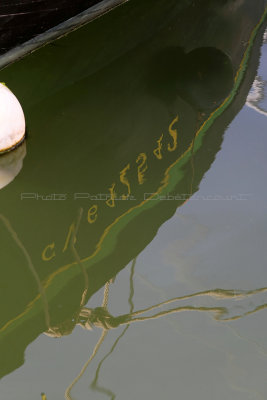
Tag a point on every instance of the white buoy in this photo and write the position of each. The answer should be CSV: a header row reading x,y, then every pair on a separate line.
x,y
12,120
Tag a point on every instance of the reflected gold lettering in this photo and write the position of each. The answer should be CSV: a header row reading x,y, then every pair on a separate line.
x,y
174,135
49,249
125,181
142,167
157,151
111,201
92,214
70,233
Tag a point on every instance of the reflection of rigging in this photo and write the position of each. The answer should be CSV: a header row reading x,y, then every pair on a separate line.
x,y
105,328
100,317
94,385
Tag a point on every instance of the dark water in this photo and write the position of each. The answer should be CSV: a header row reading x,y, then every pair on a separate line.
x,y
133,219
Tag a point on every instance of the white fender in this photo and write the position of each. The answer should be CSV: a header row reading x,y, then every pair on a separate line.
x,y
12,120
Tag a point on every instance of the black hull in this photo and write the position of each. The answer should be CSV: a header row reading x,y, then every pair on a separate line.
x,y
21,21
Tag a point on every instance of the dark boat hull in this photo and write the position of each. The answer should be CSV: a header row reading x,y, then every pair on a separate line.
x,y
24,19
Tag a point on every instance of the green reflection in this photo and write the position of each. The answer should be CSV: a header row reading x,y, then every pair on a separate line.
x,y
141,121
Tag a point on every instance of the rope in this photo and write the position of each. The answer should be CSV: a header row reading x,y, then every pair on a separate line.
x,y
106,295
94,384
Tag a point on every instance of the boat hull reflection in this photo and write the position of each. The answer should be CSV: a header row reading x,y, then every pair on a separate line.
x,y
113,149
